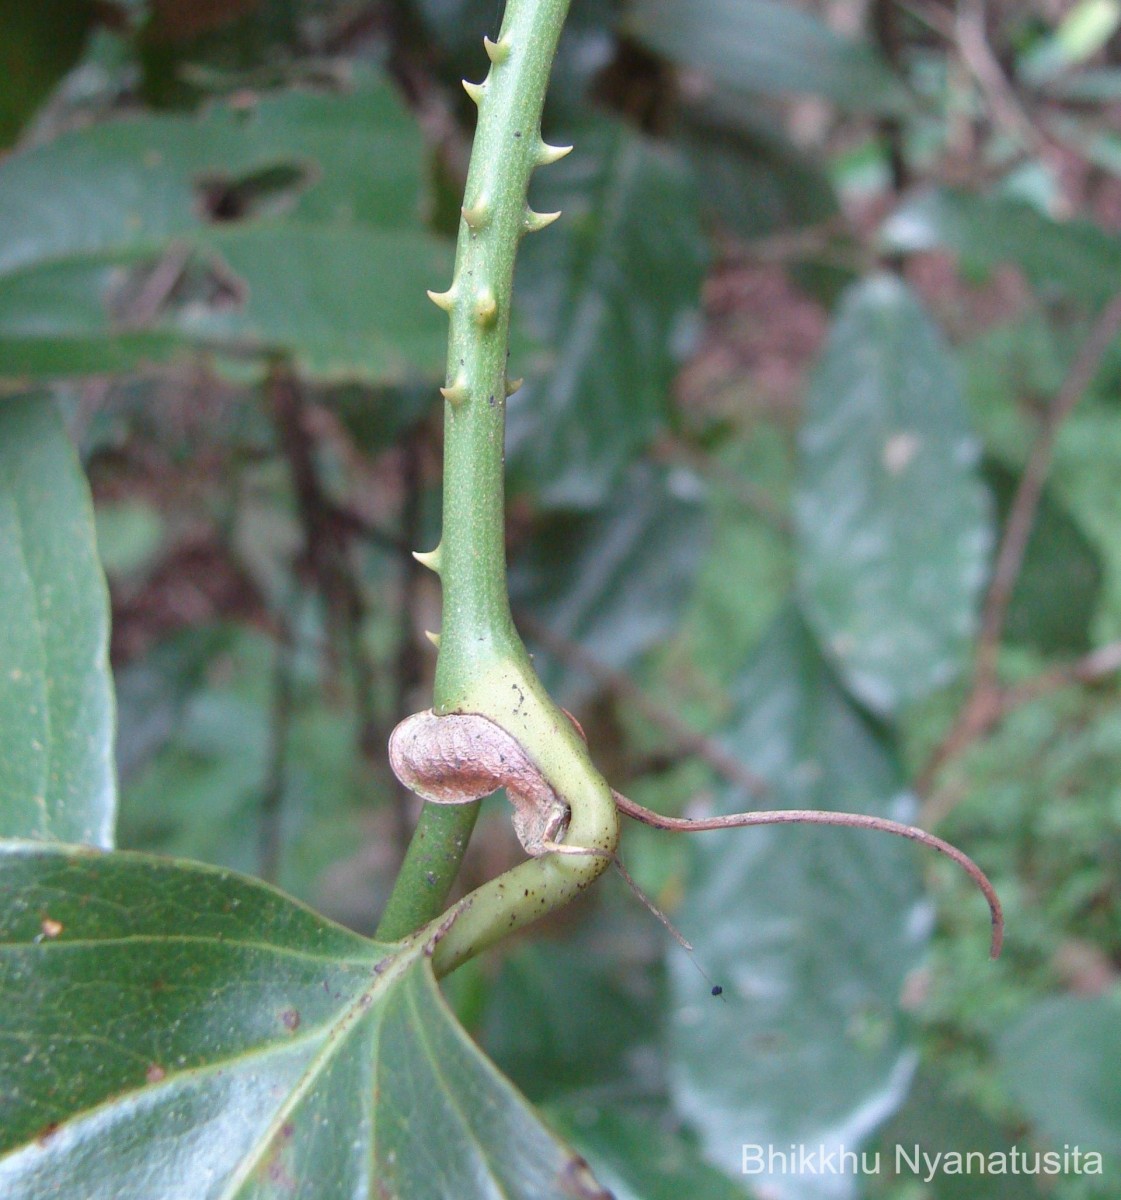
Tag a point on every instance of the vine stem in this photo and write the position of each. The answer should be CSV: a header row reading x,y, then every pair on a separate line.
x,y
482,666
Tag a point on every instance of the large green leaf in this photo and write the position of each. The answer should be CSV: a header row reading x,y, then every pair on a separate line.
x,y
57,778
811,932
766,46
1073,258
892,524
593,579
177,1032
611,288
289,225
1062,1063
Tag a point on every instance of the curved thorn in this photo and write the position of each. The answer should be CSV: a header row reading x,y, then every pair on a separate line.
x,y
550,154
434,638
534,222
475,90
429,559
444,300
512,385
811,816
455,394
497,52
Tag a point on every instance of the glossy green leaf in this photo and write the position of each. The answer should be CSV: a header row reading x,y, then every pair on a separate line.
x,y
810,932
1062,1063
611,288
892,525
1073,258
57,778
594,579
289,225
176,1032
766,46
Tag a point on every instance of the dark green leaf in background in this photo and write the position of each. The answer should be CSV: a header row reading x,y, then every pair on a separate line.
x,y
38,43
767,46
1054,619
811,932
892,524
1072,258
1062,1063
755,181
176,1032
290,224
610,288
941,1123
566,1017
57,777
595,579
641,1159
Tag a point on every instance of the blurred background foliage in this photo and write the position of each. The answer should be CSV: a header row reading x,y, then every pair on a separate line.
x,y
813,502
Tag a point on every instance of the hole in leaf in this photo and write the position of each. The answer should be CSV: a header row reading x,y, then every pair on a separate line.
x,y
266,192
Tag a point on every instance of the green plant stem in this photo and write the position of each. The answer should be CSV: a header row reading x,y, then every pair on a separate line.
x,y
483,666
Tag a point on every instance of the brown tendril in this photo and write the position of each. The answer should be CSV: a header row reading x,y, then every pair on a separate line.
x,y
461,757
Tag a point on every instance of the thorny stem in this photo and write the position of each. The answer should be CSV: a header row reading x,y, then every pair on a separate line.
x,y
482,666
492,724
